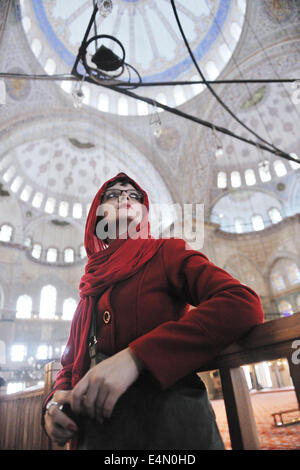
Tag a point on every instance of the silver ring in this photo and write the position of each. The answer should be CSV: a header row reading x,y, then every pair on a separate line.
x,y
53,403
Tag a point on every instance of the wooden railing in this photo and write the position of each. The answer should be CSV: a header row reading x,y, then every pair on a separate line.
x,y
20,421
272,340
20,414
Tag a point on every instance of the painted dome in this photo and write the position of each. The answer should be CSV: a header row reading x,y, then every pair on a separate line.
x,y
150,36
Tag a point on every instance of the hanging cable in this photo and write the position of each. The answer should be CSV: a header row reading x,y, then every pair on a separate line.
x,y
211,89
239,71
72,78
189,117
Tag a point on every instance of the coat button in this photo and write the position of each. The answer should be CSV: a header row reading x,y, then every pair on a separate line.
x,y
106,316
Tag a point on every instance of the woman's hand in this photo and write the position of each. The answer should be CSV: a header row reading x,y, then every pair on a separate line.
x,y
59,427
98,391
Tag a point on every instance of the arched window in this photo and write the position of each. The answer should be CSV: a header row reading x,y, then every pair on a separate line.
x,y
123,106
222,180
77,210
236,179
26,22
197,87
275,215
277,281
66,86
48,302
17,182
24,306
285,308
50,66
36,47
179,95
6,233
293,273
257,222
142,108
9,174
37,200
239,225
26,193
250,177
103,102
27,242
212,70
36,251
50,204
280,168
69,255
225,52
264,171
161,98
18,352
69,308
51,255
82,252
63,209
235,30
44,351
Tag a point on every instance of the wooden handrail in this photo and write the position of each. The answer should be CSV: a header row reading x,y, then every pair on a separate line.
x,y
263,342
268,341
271,340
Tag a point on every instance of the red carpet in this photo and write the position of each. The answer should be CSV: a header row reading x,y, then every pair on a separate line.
x,y
264,404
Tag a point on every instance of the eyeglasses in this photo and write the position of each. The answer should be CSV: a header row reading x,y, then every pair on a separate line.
x,y
116,193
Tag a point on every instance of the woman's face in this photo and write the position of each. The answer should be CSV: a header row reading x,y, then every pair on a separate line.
x,y
122,205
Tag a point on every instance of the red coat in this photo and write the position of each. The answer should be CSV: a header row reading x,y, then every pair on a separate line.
x,y
150,313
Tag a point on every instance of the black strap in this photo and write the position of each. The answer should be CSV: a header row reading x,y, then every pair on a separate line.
x,y
93,338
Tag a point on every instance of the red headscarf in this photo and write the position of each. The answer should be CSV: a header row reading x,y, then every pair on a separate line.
x,y
105,267
123,258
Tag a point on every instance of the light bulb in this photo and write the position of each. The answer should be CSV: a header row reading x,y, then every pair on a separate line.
x,y
78,97
156,128
104,7
219,152
155,123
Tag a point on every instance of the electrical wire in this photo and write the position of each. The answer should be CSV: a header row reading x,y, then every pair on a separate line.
x,y
210,87
260,115
72,78
117,85
93,79
189,117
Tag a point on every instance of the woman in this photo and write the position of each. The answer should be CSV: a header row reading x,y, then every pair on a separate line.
x,y
129,366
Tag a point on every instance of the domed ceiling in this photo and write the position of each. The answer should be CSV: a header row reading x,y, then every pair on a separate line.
x,y
60,175
150,36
